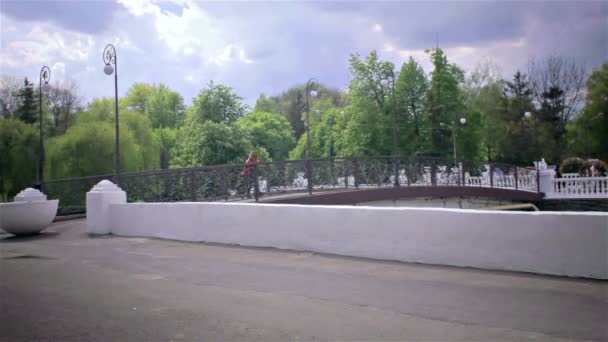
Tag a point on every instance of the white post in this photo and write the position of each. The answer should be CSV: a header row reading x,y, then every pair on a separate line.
x,y
98,204
545,179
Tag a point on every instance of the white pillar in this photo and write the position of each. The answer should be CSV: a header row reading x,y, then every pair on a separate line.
x,y
98,206
545,179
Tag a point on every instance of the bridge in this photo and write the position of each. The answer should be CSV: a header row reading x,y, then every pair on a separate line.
x,y
344,180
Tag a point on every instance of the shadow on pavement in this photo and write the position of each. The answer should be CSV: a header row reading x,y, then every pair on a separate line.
x,y
8,238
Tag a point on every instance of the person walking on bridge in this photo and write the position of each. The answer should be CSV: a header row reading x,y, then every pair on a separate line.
x,y
247,172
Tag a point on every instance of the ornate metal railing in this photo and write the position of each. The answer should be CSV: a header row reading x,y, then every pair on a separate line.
x,y
227,183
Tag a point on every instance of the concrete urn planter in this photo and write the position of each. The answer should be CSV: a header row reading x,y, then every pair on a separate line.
x,y
29,214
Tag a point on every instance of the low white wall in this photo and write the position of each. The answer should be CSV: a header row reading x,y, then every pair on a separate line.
x,y
560,243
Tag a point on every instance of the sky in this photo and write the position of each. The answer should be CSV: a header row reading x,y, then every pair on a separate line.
x,y
268,46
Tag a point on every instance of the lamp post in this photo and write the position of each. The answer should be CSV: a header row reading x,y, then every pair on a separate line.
x,y
529,115
385,83
311,90
454,129
109,58
45,75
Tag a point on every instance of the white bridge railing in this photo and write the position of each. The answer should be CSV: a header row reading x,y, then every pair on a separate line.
x,y
579,187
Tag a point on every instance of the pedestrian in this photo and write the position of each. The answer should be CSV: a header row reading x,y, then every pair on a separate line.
x,y
247,172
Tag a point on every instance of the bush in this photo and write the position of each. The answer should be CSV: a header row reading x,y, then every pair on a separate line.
x,y
575,165
598,168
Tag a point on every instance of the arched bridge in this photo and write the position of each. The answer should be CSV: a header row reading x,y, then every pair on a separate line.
x,y
321,181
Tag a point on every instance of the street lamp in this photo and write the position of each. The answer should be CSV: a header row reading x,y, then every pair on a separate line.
x,y
529,115
454,129
384,82
109,58
45,75
311,90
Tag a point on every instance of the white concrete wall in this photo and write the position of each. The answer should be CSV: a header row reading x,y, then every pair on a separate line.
x,y
561,243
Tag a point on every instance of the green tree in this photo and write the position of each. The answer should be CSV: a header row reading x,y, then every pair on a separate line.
x,y
217,103
211,143
267,104
26,111
271,131
491,103
469,137
589,130
145,139
292,104
167,138
19,161
140,151
137,97
323,132
88,149
411,90
445,100
369,117
99,109
521,143
166,108
483,135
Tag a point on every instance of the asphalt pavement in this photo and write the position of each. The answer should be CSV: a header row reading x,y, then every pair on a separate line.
x,y
64,285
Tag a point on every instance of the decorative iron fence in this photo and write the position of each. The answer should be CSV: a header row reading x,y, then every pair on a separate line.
x,y
227,183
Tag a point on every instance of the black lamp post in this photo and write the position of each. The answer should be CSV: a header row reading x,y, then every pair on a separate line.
x,y
45,75
311,90
109,58
529,115
385,82
454,129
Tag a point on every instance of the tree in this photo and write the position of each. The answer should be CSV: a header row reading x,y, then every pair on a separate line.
x,y
492,104
292,104
369,118
166,108
9,96
411,89
323,132
217,103
486,112
146,141
26,111
139,145
558,85
522,143
589,130
211,143
137,97
19,161
167,138
64,104
445,101
99,109
88,149
267,104
271,131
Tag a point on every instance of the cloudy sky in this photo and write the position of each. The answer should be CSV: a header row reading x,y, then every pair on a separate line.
x,y
267,46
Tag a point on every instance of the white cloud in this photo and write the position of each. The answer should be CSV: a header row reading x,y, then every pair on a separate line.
x,y
43,43
58,71
377,28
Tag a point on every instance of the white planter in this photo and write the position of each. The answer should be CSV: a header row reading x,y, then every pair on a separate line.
x,y
29,214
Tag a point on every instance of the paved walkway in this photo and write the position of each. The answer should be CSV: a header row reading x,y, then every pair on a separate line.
x,y
66,286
